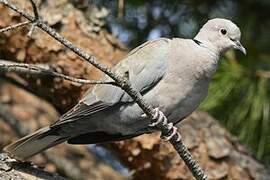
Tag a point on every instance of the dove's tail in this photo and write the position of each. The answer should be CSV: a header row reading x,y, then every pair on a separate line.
x,y
34,143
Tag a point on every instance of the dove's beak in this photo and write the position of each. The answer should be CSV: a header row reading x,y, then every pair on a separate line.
x,y
239,46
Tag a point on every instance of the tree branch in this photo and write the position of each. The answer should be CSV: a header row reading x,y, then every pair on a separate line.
x,y
15,26
125,85
10,169
42,69
34,24
35,10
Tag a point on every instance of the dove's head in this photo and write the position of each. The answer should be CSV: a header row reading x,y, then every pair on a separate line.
x,y
220,35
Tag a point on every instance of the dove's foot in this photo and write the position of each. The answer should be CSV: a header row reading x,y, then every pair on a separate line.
x,y
171,131
160,118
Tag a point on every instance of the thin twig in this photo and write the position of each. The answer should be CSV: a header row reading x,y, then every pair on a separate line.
x,y
21,68
35,9
32,28
125,85
15,26
34,23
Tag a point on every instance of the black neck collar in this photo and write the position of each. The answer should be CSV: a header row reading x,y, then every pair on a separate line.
x,y
197,41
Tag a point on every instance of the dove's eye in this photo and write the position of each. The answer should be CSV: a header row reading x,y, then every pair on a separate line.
x,y
223,31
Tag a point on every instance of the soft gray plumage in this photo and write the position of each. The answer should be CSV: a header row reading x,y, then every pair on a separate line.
x,y
172,74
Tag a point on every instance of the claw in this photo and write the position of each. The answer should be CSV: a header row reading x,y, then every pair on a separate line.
x,y
156,111
178,137
174,131
158,117
144,116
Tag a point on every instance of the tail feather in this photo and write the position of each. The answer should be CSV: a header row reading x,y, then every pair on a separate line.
x,y
34,143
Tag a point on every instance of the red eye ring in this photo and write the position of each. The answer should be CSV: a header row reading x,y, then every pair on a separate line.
x,y
223,31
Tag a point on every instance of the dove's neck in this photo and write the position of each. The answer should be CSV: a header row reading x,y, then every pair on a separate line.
x,y
207,42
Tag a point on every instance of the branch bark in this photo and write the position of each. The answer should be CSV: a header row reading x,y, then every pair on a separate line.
x,y
15,26
9,169
43,70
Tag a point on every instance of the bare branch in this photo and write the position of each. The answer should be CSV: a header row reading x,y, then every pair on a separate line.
x,y
176,141
34,24
41,69
15,26
32,28
35,10
11,169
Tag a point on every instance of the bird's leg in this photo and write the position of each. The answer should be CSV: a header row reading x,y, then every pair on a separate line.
x,y
171,132
160,119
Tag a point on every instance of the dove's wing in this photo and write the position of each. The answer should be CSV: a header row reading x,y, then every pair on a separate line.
x,y
145,66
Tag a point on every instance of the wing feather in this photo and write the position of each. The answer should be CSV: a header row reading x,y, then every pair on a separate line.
x,y
145,64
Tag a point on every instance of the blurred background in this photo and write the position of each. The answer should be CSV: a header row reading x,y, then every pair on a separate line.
x,y
238,100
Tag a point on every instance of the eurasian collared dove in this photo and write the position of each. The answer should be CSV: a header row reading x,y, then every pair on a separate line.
x,y
171,74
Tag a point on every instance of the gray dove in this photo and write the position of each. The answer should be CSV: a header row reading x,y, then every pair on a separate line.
x,y
171,74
